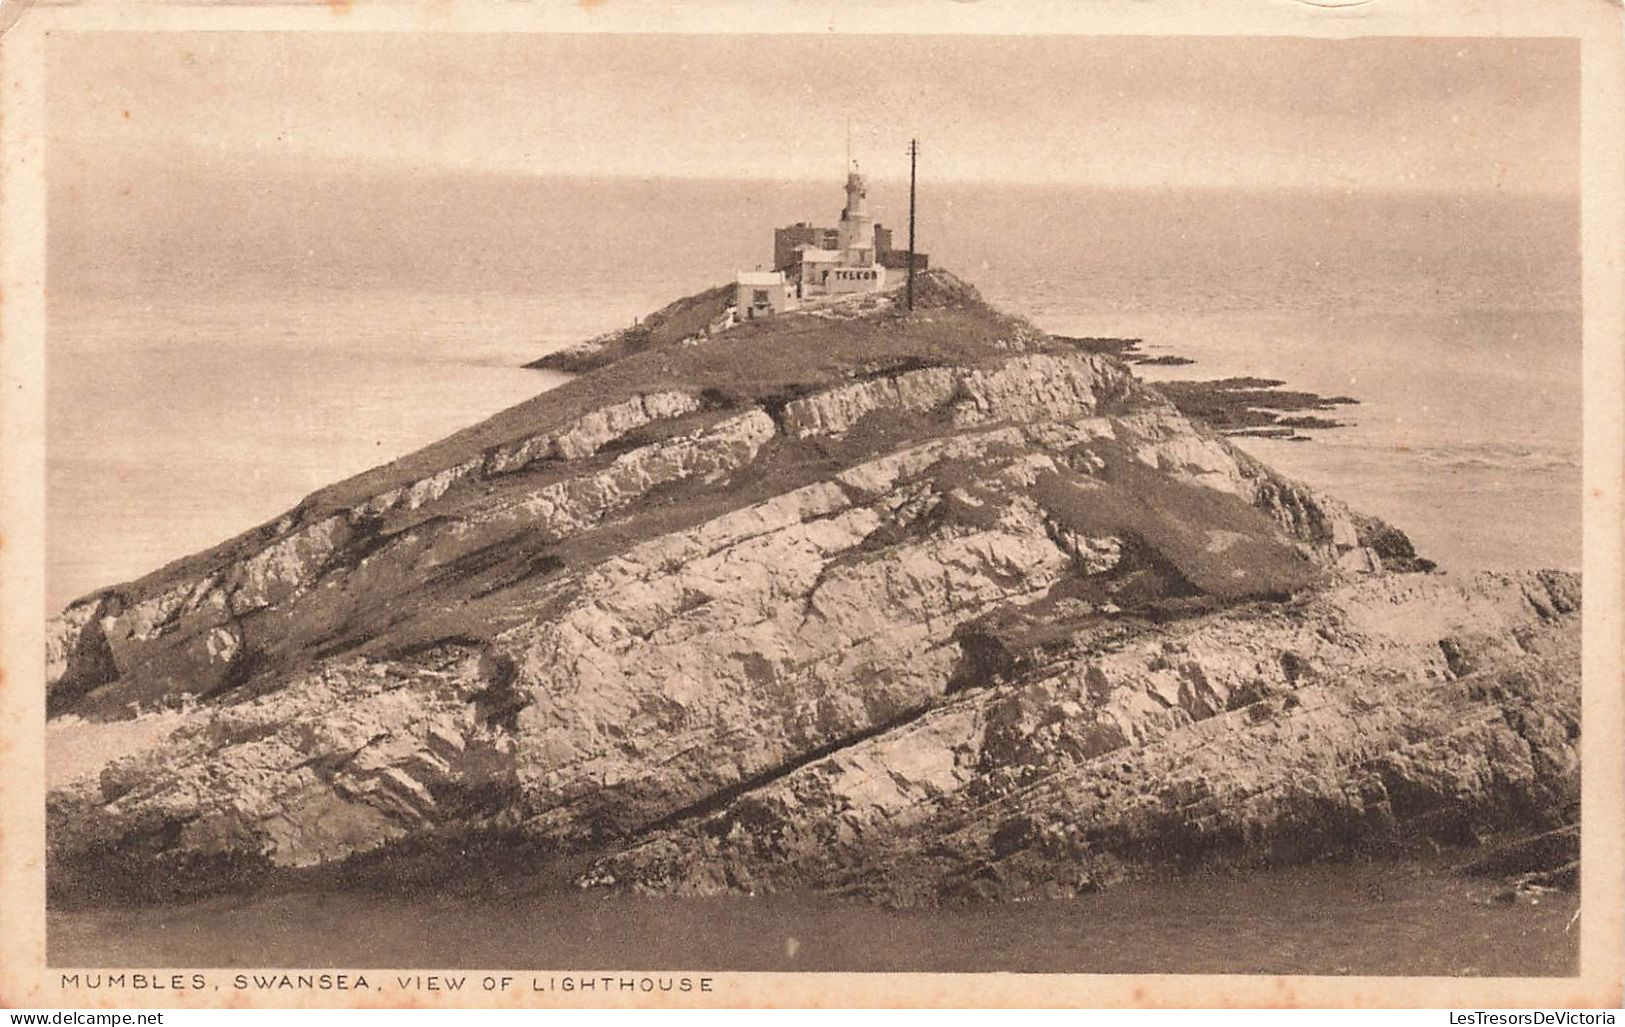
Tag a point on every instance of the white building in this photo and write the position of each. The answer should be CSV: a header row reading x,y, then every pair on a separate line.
x,y
761,294
812,268
851,267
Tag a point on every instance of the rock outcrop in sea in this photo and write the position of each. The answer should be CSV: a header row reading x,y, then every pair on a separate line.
x,y
915,606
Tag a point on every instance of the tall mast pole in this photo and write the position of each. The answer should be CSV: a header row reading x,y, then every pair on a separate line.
x,y
913,158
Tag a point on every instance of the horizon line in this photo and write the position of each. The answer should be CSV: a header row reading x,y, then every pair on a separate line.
x,y
362,164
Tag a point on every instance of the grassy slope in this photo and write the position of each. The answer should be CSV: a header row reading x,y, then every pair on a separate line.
x,y
670,324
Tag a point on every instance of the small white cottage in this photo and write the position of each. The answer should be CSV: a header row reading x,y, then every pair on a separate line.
x,y
761,294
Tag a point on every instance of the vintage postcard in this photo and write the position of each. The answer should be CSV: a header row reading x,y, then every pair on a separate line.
x,y
728,503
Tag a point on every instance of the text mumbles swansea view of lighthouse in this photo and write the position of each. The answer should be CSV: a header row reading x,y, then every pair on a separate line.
x,y
687,511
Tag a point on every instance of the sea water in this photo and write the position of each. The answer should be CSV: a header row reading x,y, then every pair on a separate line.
x,y
1358,918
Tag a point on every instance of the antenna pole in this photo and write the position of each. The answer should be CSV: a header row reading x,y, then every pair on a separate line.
x,y
913,158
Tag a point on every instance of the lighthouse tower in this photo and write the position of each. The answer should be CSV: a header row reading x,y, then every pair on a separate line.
x,y
857,229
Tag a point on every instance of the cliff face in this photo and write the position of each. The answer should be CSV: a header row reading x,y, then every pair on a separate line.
x,y
1353,720
914,605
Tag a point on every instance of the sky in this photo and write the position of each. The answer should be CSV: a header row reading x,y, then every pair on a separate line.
x,y
1381,113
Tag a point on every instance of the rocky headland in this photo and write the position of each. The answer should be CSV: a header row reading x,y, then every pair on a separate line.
x,y
1243,407
916,606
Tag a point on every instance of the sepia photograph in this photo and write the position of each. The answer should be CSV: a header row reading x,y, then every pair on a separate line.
x,y
881,502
